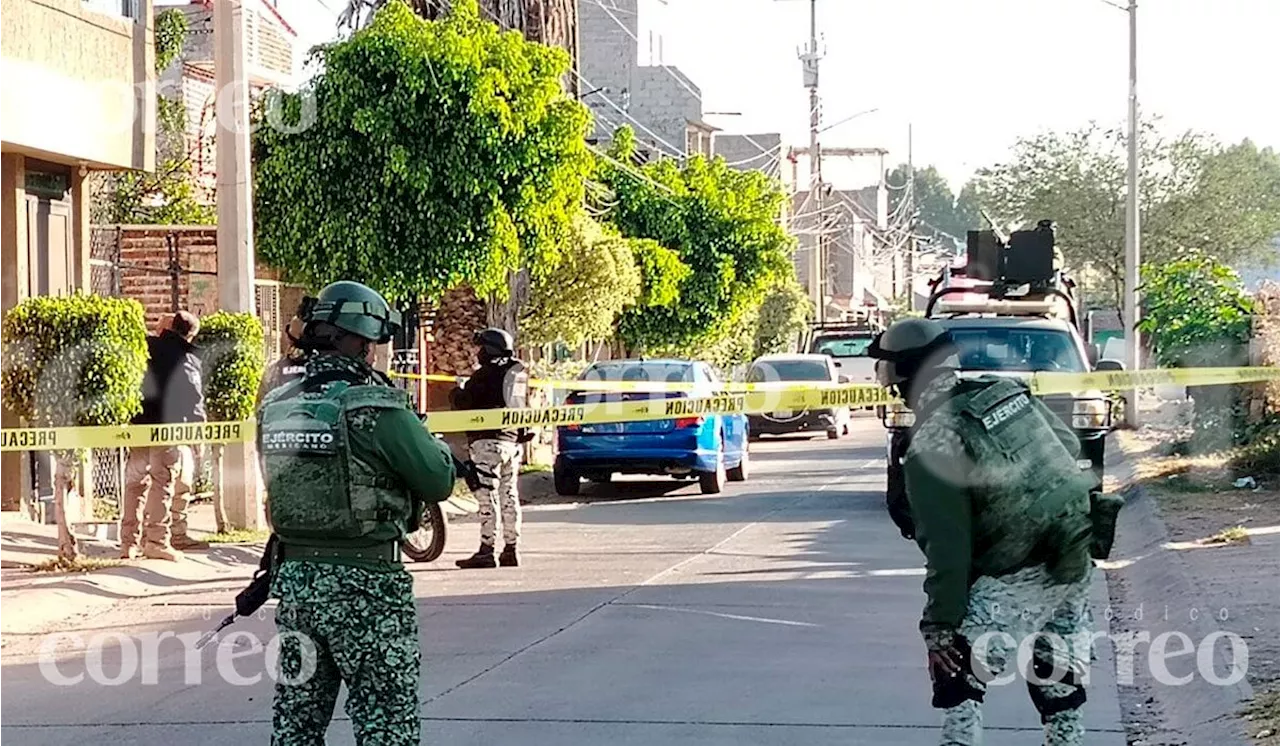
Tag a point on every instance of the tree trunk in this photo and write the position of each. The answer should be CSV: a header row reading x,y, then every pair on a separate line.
x,y
63,486
461,314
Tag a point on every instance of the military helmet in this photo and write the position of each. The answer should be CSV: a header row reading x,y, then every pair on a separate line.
x,y
356,309
909,345
495,343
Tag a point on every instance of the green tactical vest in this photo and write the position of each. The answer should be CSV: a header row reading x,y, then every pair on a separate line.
x,y
319,489
1034,498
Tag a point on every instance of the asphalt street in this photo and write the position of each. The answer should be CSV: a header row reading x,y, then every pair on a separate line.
x,y
783,611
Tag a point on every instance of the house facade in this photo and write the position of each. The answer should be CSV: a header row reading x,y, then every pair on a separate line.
x,y
79,96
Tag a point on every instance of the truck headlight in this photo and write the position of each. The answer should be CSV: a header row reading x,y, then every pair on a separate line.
x,y
896,416
1091,414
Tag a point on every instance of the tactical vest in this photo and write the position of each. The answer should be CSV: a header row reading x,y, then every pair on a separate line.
x,y
1035,497
319,488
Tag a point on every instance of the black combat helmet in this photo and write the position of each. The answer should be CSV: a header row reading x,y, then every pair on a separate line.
x,y
494,343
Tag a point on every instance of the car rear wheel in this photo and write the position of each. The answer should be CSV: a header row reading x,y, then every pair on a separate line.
x,y
567,481
711,482
740,472
833,434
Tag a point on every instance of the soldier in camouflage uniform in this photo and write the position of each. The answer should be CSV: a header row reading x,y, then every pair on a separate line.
x,y
349,469
1002,514
501,382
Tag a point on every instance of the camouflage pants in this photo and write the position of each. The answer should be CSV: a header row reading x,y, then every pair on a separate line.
x,y
346,624
498,466
1026,608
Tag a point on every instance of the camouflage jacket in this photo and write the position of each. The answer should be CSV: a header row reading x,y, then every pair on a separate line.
x,y
994,486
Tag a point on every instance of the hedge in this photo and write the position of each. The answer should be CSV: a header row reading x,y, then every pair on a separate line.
x,y
75,360
231,350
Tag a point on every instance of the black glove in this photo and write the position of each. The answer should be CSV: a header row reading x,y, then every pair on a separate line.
x,y
466,470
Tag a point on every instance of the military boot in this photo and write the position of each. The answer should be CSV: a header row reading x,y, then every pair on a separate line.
x,y
481,559
509,558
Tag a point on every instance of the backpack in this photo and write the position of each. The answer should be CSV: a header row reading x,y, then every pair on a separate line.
x,y
318,489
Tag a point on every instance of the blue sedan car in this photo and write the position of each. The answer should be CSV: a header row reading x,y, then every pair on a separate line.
x,y
712,448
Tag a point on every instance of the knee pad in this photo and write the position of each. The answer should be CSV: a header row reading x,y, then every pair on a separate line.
x,y
955,690
1049,704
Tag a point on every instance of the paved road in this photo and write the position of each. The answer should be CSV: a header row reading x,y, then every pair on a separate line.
x,y
782,611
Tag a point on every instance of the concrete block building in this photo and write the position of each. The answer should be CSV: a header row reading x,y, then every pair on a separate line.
x,y
624,73
861,270
79,96
270,51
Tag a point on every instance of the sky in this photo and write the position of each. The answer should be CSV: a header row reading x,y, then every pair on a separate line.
x,y
967,76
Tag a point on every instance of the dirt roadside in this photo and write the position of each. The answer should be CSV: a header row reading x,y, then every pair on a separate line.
x,y
1225,531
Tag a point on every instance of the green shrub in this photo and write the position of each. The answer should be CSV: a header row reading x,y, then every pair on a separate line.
x,y
75,360
1196,312
233,359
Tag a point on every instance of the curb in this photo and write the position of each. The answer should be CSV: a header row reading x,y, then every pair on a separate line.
x,y
1143,571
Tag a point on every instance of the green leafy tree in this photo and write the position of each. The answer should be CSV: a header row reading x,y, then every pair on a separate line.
x,y
166,196
661,273
1195,193
596,280
443,153
233,357
72,361
722,223
783,316
935,204
1196,312
1198,315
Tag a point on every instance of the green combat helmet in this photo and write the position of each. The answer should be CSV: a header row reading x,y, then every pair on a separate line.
x,y
907,346
356,309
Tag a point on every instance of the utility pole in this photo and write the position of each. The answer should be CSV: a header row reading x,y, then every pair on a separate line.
x,y
817,275
911,223
1132,237
239,473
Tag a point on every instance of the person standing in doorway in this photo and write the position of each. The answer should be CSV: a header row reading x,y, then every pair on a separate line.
x,y
172,393
502,382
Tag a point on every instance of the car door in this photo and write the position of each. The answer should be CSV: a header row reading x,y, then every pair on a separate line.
x,y
734,426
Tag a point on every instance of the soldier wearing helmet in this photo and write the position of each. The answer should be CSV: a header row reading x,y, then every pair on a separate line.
x,y
1001,512
349,468
292,365
501,382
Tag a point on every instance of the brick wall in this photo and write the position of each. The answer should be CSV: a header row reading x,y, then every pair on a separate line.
x,y
146,259
144,272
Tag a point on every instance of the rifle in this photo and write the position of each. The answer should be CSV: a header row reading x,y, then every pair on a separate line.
x,y
252,598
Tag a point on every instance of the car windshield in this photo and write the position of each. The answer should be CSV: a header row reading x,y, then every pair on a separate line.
x,y
649,372
843,346
789,370
994,348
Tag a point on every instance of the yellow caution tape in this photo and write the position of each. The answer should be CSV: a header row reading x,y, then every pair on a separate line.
x,y
770,399
127,436
622,386
1069,383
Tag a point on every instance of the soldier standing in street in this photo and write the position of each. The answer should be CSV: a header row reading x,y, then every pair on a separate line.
x,y
1002,514
349,469
501,382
